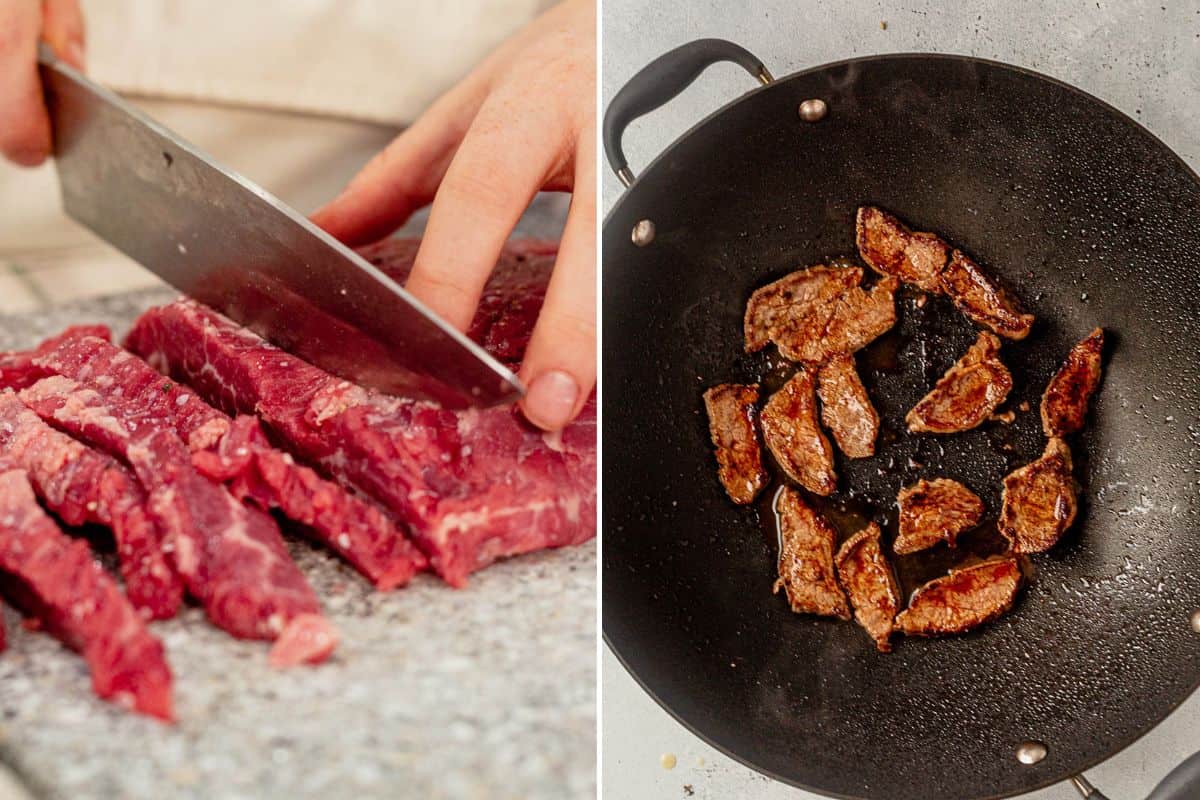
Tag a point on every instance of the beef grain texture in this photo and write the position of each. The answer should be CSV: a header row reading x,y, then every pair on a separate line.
x,y
934,511
475,485
1039,502
230,556
964,599
237,453
732,411
870,584
967,394
794,437
806,569
55,579
83,485
1065,401
846,407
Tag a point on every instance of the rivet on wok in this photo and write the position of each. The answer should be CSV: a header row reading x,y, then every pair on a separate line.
x,y
813,110
643,233
1031,752
1196,621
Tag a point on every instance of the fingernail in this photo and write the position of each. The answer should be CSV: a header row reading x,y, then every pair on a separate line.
x,y
551,399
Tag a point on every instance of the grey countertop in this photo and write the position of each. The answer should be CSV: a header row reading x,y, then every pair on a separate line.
x,y
1142,57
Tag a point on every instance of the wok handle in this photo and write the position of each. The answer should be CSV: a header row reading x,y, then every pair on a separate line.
x,y
660,81
1181,783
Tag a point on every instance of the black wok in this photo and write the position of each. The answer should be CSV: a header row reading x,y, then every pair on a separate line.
x,y
1092,221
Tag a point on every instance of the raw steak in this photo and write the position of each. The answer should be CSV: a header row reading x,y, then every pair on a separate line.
x,y
790,429
806,571
846,407
1039,501
55,578
967,394
731,414
964,599
231,557
867,577
238,452
511,298
475,485
1065,402
81,485
934,511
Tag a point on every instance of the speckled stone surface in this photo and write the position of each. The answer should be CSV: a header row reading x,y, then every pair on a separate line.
x,y
485,692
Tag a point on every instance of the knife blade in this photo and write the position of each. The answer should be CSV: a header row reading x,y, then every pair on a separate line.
x,y
230,244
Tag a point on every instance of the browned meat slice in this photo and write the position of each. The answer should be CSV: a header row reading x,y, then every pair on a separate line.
x,y
731,425
967,394
1065,403
982,299
806,559
964,599
790,429
869,583
859,317
934,511
796,306
1039,502
846,409
890,248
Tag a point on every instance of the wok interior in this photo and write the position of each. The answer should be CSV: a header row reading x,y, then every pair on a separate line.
x,y
1091,221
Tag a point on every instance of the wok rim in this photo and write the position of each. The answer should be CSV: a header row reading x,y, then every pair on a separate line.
x,y
1051,779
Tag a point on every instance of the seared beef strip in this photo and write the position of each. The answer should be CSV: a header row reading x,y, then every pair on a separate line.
x,y
966,598
806,559
731,412
934,511
859,318
870,584
890,248
1039,502
967,394
801,303
927,262
1065,403
790,429
982,299
846,408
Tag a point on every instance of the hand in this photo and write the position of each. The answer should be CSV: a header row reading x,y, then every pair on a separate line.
x,y
524,120
24,123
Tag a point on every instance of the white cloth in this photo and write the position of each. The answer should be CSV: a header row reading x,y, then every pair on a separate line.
x,y
294,94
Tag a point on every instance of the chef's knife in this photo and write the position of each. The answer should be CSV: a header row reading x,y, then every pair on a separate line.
x,y
228,243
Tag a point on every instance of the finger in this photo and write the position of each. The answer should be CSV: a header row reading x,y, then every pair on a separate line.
x,y
503,161
24,125
62,27
405,175
560,363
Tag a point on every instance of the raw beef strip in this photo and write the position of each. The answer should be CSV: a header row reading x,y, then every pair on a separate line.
x,y
731,413
806,571
790,429
967,394
846,408
870,584
231,556
1065,401
54,578
964,599
17,369
511,298
475,485
934,511
238,452
82,485
890,248
1039,501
